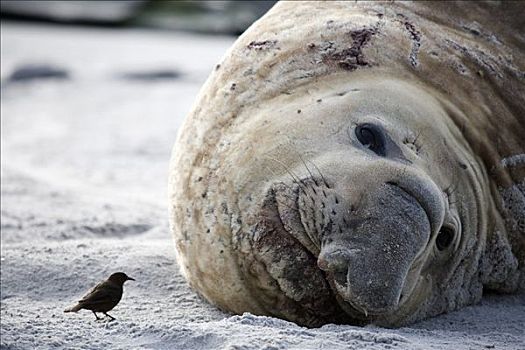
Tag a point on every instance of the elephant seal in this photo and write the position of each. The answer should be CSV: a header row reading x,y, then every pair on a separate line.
x,y
357,163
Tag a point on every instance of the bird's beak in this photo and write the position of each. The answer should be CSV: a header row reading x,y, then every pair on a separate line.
x,y
131,279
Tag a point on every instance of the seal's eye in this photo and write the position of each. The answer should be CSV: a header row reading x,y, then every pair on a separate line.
x,y
371,137
445,238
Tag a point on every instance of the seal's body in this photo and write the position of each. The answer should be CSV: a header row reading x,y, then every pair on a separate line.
x,y
357,163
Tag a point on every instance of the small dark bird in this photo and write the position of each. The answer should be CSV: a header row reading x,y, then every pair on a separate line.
x,y
104,297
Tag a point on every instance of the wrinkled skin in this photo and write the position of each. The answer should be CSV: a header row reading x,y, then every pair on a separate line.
x,y
367,219
339,230
320,181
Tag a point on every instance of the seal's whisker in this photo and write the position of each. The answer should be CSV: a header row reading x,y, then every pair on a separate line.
x,y
288,186
416,139
314,228
320,173
308,169
287,197
274,174
416,142
314,241
295,178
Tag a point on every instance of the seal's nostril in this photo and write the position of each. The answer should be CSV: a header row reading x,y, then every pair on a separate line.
x,y
334,263
322,264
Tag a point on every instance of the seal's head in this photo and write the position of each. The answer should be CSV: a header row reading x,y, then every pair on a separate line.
x,y
365,181
342,163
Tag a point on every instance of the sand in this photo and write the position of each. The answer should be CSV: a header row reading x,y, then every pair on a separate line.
x,y
83,184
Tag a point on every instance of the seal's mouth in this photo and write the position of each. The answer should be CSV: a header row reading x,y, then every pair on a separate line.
x,y
348,305
410,296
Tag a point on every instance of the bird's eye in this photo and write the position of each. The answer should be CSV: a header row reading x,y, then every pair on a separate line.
x,y
445,238
371,137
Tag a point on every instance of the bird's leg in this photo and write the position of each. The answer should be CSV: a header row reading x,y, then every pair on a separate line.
x,y
112,318
98,318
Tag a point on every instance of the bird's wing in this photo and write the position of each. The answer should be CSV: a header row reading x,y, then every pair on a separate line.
x,y
102,293
91,291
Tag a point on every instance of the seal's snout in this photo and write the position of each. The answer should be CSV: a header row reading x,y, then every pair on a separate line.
x,y
368,257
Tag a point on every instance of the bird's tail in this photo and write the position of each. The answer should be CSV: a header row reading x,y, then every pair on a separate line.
x,y
73,308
